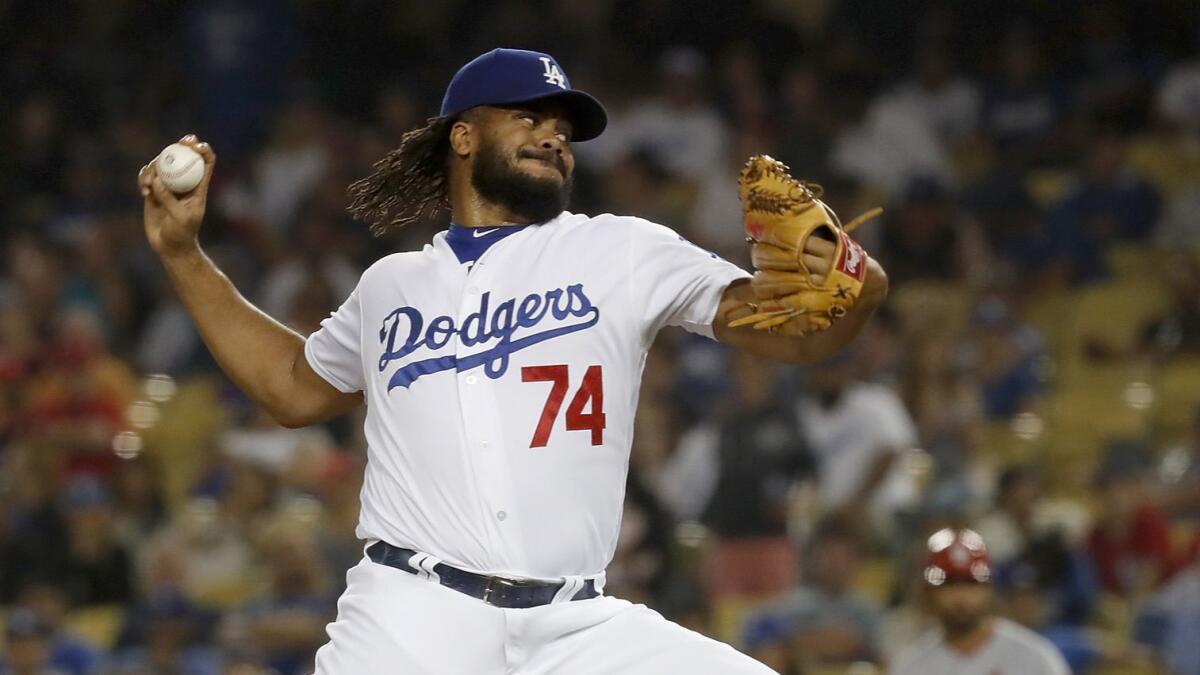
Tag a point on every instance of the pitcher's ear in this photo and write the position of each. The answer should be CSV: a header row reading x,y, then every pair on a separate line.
x,y
462,138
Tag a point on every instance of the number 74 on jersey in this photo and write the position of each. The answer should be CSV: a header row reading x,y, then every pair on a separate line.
x,y
590,395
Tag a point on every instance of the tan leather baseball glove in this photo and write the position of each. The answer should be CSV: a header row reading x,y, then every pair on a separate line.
x,y
781,214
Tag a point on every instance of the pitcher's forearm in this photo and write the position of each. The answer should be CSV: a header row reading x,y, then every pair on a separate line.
x,y
262,356
257,352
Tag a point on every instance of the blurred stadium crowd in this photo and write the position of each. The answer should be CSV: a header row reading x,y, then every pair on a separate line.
x,y
1035,374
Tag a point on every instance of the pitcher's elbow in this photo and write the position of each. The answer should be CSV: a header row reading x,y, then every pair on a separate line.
x,y
291,422
288,417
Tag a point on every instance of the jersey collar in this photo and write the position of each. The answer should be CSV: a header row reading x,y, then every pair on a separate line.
x,y
468,243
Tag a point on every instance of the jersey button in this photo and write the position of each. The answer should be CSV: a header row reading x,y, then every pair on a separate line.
x,y
483,443
501,515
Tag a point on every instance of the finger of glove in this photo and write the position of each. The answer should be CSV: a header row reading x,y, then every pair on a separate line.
x,y
808,301
770,283
801,326
765,256
818,321
805,323
817,266
819,256
819,247
815,302
778,320
731,309
781,235
794,329
758,317
774,283
788,322
770,257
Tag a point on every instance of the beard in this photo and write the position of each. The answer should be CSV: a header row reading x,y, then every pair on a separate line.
x,y
499,180
958,621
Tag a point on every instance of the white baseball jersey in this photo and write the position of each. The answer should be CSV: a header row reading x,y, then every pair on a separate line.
x,y
501,391
1012,650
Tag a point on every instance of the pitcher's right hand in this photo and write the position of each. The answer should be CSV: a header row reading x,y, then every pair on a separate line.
x,y
173,221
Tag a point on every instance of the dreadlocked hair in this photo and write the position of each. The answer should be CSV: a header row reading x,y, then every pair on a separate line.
x,y
409,183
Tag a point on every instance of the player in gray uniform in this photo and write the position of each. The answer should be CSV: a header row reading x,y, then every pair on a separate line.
x,y
971,640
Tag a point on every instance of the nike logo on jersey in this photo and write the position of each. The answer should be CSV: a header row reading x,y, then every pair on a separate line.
x,y
497,328
477,233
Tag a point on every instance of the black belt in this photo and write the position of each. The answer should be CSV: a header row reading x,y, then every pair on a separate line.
x,y
497,591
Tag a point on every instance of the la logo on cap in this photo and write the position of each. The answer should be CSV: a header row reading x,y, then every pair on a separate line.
x,y
553,75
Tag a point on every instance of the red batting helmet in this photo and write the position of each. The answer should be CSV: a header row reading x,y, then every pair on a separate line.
x,y
957,555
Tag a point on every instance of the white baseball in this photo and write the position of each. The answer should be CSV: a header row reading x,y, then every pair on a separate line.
x,y
180,168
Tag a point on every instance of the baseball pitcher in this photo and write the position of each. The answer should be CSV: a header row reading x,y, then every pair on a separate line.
x,y
500,367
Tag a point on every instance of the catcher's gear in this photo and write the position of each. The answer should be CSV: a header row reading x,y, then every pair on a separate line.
x,y
781,213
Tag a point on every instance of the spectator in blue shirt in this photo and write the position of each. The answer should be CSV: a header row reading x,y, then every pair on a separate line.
x,y
1111,203
49,602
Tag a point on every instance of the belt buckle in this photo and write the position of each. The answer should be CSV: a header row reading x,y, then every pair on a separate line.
x,y
487,589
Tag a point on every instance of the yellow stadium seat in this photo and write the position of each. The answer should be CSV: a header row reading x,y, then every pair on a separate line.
x,y
1178,389
1115,313
231,593
1050,313
1165,162
188,421
729,614
876,578
932,304
1134,261
1087,415
997,440
1048,186
98,624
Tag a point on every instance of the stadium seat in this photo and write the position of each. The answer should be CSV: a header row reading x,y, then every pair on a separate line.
x,y
997,440
1134,261
1114,314
1178,387
729,614
188,421
1171,166
1085,416
937,305
1048,186
876,579
97,624
1050,313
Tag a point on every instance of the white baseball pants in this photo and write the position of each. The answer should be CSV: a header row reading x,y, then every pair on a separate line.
x,y
390,621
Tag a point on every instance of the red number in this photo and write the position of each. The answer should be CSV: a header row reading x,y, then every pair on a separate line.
x,y
557,375
591,389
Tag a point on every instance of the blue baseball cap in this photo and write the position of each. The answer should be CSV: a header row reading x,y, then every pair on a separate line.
x,y
508,76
